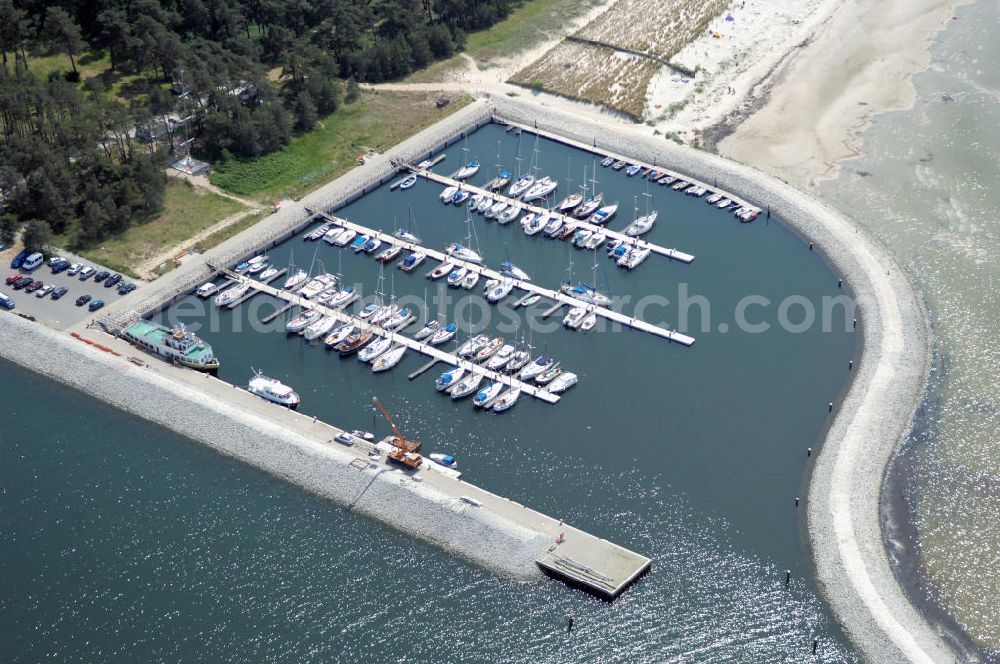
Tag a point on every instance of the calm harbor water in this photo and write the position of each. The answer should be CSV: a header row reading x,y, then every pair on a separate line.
x,y
136,543
929,187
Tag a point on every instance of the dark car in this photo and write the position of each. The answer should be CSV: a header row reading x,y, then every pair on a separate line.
x,y
112,280
59,292
14,277
126,288
60,266
101,276
33,286
16,263
82,300
22,282
96,304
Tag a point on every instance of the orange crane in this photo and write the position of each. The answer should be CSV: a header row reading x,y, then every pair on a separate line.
x,y
405,451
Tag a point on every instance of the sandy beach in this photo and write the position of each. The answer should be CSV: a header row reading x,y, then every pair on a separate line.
x,y
810,112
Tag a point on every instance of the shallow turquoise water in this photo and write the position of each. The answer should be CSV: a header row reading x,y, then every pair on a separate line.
x,y
133,543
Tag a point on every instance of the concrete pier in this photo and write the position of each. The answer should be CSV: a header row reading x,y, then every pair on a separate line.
x,y
531,287
672,254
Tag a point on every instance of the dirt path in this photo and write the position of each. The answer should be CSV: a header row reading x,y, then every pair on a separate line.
x,y
202,182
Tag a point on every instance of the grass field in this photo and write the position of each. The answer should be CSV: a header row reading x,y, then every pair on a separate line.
x,y
376,120
186,212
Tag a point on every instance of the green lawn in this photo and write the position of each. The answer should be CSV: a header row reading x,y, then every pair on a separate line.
x,y
376,120
186,212
528,25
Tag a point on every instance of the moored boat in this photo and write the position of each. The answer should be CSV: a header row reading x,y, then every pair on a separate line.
x,y
444,335
427,330
321,328
374,349
449,378
536,368
408,181
604,215
302,321
549,375
455,276
500,291
501,358
441,270
448,194
506,400
542,188
389,359
231,294
574,317
207,290
472,346
352,343
467,171
466,386
389,254
522,185
562,382
412,261
175,344
508,269
346,237
587,208
470,280
273,390
585,293
295,279
489,350
485,397
641,225
456,250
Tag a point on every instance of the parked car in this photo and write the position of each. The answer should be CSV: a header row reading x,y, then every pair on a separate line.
x,y
14,277
19,260
32,261
45,290
85,273
59,292
74,269
101,276
344,438
6,302
112,280
55,259
61,266
95,305
126,288
82,300
22,282
33,286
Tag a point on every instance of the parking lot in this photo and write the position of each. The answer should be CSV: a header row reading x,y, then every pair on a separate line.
x,y
63,312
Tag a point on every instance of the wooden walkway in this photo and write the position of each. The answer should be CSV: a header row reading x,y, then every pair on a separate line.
x,y
672,254
554,295
425,349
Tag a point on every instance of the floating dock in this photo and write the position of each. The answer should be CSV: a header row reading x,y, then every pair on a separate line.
x,y
737,200
672,254
555,296
425,349
605,571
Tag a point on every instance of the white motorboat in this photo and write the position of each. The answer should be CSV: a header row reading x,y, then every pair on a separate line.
x,y
448,194
604,215
714,198
456,250
368,311
581,236
470,280
488,286
338,334
302,321
472,346
333,234
536,368
449,378
500,291
589,322
258,267
467,171
317,232
441,270
320,328
427,330
268,274
374,349
358,245
273,390
408,181
444,335
346,237
521,185
508,269
466,386
475,200
508,215
389,254
444,459
485,204
231,294
530,300
540,189
554,226
485,397
502,357
562,382
575,317
460,197
595,241
207,290
633,258
371,245
724,203
389,359
641,225
410,263
506,400
455,276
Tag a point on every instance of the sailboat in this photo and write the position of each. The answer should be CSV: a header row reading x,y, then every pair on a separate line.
x,y
409,234
502,177
462,252
470,168
641,225
583,291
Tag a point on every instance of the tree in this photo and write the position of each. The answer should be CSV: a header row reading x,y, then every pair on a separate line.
x,y
61,26
37,235
305,111
8,228
353,91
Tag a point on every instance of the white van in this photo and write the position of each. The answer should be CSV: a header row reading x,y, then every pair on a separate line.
x,y
32,261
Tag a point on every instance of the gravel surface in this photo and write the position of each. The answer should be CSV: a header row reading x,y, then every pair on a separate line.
x,y
874,416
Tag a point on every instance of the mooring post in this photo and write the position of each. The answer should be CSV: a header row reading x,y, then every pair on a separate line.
x,y
796,501
815,645
829,407
788,577
809,451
